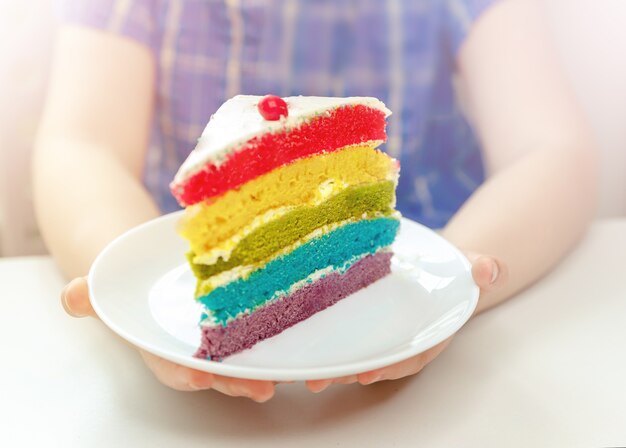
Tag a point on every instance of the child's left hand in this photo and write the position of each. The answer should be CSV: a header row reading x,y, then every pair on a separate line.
x,y
489,274
75,300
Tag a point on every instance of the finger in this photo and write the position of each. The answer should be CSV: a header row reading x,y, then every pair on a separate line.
x,y
75,298
185,379
259,391
487,272
316,386
404,368
176,376
345,379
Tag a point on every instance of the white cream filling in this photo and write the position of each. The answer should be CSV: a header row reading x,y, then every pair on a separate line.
x,y
224,250
238,272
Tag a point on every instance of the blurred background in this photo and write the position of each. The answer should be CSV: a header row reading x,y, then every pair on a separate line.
x,y
590,36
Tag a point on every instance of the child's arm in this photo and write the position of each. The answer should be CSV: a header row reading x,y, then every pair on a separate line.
x,y
88,164
541,163
541,189
91,144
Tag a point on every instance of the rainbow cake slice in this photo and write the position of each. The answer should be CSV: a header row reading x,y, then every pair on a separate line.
x,y
289,209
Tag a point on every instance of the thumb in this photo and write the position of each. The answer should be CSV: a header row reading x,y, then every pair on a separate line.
x,y
488,272
75,298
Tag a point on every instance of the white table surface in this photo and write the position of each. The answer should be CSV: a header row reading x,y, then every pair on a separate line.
x,y
545,369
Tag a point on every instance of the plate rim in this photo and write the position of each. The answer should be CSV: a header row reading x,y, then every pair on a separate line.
x,y
273,373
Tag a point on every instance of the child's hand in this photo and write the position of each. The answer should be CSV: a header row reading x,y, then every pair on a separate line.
x,y
489,274
75,300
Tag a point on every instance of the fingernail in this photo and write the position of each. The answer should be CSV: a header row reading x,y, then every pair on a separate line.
x,y
65,304
65,300
262,399
324,387
240,391
63,297
200,386
495,271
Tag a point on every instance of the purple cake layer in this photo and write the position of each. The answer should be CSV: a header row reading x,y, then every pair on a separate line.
x,y
245,331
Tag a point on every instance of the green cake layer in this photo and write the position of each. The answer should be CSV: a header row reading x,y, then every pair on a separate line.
x,y
352,203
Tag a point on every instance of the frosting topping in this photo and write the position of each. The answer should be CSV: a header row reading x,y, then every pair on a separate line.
x,y
238,120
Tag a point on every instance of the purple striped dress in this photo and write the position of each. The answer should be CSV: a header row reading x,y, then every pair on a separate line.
x,y
403,52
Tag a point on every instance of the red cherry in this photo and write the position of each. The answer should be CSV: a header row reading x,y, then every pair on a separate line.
x,y
272,107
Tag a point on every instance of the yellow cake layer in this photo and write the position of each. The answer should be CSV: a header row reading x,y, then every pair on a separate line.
x,y
307,181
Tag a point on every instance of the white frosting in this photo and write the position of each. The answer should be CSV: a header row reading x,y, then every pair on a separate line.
x,y
238,121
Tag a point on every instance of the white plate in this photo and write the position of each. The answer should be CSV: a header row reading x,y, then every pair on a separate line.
x,y
142,289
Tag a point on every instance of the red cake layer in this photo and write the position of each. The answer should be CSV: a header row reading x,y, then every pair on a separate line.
x,y
347,125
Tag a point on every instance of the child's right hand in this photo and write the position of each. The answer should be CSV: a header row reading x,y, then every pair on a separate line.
x,y
75,301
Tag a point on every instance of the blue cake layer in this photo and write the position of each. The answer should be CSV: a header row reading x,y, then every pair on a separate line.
x,y
332,249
